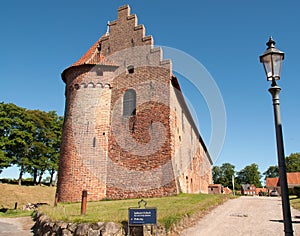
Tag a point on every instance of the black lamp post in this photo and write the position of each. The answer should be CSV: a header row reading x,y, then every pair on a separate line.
x,y
272,61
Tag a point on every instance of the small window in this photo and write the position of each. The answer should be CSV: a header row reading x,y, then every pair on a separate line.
x,y
99,72
130,69
129,103
99,47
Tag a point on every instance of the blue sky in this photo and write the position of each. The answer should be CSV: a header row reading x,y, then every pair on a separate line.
x,y
39,39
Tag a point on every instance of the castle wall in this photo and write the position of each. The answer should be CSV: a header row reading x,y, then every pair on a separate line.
x,y
139,145
192,165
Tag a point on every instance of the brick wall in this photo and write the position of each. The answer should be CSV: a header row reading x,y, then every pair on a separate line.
x,y
192,164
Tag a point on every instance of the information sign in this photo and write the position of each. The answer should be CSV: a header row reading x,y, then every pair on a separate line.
x,y
138,217
142,216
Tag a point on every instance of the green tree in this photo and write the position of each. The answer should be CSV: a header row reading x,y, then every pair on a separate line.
x,y
29,139
216,173
5,161
293,162
227,171
56,129
45,148
223,174
5,124
271,172
249,175
40,146
17,131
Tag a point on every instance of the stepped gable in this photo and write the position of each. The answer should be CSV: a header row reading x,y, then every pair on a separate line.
x,y
124,33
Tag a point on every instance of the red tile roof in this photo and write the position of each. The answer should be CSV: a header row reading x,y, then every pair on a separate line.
x,y
293,178
227,190
93,56
272,182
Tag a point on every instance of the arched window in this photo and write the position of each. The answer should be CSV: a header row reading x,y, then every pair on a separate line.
x,y
129,103
130,69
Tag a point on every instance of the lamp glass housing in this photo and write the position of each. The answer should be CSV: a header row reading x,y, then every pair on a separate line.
x,y
272,63
272,60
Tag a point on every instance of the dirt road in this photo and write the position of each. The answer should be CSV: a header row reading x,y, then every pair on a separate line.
x,y
245,216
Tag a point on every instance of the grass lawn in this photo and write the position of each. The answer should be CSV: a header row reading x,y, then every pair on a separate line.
x,y
295,202
169,209
10,194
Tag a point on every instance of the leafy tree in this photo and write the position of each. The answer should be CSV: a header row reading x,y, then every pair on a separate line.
x,y
46,146
223,174
271,172
5,160
216,173
56,129
293,162
249,175
227,171
17,132
29,139
40,146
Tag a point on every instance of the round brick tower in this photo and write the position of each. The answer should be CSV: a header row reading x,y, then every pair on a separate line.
x,y
85,133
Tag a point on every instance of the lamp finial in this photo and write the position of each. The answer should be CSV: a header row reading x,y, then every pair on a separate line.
x,y
271,43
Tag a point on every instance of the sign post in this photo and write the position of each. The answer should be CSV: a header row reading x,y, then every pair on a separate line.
x,y
142,216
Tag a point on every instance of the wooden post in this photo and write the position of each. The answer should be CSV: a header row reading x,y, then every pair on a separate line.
x,y
83,202
56,200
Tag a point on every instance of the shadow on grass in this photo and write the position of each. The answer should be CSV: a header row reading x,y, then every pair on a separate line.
x,y
3,210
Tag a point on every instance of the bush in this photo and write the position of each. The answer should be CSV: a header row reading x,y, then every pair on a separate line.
x,y
297,191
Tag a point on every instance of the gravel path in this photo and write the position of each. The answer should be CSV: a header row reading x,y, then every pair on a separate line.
x,y
20,226
245,216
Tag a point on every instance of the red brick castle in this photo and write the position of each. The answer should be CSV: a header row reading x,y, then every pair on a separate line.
x,y
128,132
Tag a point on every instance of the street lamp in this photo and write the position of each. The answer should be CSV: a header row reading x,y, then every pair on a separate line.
x,y
272,61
